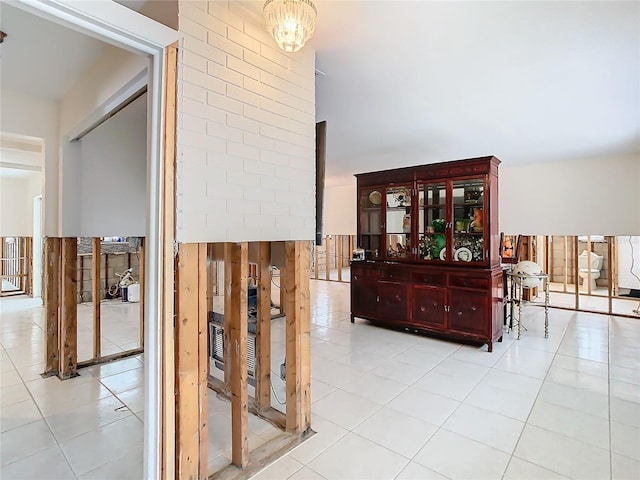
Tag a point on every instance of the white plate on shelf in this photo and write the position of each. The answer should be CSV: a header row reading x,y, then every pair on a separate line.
x,y
375,197
443,253
463,254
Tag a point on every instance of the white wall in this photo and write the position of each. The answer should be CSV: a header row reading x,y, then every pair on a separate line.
x,y
246,130
112,175
340,208
16,204
600,196
629,262
112,71
36,117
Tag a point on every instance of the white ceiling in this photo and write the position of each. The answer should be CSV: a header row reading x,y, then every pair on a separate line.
x,y
42,58
412,82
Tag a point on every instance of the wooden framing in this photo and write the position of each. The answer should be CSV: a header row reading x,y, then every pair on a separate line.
x,y
95,297
235,349
141,280
191,362
327,257
51,292
298,371
576,281
339,256
69,309
610,270
168,408
263,328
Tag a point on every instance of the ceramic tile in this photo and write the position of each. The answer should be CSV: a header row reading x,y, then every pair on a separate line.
x,y
18,414
415,471
400,372
449,386
327,433
571,423
625,391
519,469
503,401
625,440
127,467
7,379
523,361
281,468
572,378
431,408
94,449
484,426
371,462
121,382
458,457
374,388
13,394
558,453
625,412
306,473
626,374
319,390
83,419
624,468
396,431
25,441
575,398
49,464
581,365
112,368
345,409
133,399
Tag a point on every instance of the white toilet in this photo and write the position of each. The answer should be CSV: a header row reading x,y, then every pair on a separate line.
x,y
589,261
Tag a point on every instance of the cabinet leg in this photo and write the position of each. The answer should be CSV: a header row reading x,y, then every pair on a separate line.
x,y
490,344
500,339
353,319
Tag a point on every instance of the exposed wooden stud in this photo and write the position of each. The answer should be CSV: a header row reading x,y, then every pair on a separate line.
x,y
588,280
106,272
168,437
339,240
283,303
298,324
263,328
69,310
51,293
327,257
187,363
95,296
317,258
235,352
203,357
614,266
211,276
576,282
565,252
141,281
609,241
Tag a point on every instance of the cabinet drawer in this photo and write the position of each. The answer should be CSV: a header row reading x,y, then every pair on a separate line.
x,y
361,270
439,279
394,275
469,282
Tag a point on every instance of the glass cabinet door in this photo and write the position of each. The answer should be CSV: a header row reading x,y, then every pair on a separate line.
x,y
468,220
432,221
370,228
398,222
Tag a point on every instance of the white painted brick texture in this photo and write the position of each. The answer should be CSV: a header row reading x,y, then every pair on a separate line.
x,y
246,130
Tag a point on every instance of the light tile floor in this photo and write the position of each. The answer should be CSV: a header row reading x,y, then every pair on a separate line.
x,y
385,404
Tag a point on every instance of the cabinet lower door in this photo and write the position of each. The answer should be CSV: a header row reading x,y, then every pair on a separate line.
x,y
467,311
364,296
393,301
429,306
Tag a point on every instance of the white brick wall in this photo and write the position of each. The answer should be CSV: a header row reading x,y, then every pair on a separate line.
x,y
246,130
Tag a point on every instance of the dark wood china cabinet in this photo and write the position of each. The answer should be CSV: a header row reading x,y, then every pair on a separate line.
x,y
431,240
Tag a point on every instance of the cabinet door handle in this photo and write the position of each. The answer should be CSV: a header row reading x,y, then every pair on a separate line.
x,y
355,277
378,298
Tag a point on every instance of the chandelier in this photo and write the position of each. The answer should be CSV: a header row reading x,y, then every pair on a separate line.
x,y
291,22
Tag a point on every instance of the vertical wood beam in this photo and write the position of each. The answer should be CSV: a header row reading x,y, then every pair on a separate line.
x,y
339,241
211,276
298,325
576,278
141,280
203,358
81,280
69,311
609,241
191,361
235,354
51,293
283,302
263,328
167,322
95,295
317,258
327,257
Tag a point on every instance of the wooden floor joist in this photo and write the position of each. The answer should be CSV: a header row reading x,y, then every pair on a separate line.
x,y
191,360
235,352
298,370
51,292
263,328
69,310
